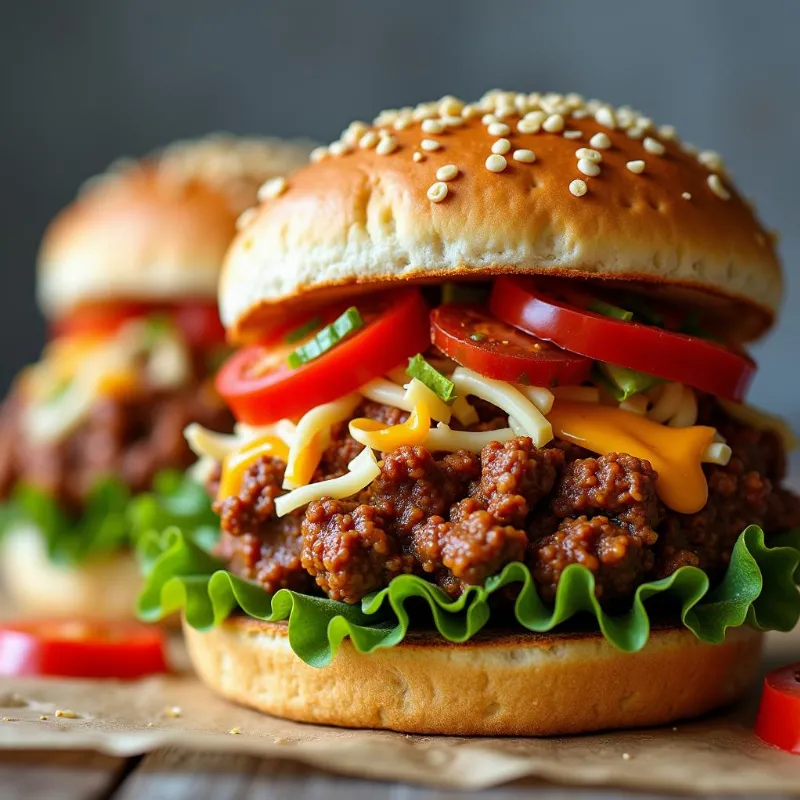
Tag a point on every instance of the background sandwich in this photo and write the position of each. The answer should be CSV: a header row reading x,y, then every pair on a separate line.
x,y
127,278
492,442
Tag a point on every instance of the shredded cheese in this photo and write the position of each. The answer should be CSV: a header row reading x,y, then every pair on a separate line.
x,y
362,470
509,399
386,438
210,444
236,464
464,412
390,394
542,398
312,437
443,438
636,405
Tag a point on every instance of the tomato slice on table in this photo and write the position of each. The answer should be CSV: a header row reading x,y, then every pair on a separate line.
x,y
778,721
477,340
198,321
261,387
81,649
696,362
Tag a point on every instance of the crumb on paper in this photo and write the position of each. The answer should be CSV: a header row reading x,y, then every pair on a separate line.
x,y
235,731
43,717
66,713
280,740
173,712
151,724
7,719
675,730
626,756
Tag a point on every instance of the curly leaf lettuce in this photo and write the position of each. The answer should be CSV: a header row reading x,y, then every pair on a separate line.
x,y
112,517
759,589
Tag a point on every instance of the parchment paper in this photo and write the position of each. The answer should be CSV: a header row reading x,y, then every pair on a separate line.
x,y
718,754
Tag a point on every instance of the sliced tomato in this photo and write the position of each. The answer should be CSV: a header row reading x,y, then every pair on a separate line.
x,y
778,721
696,362
81,649
199,322
473,337
260,387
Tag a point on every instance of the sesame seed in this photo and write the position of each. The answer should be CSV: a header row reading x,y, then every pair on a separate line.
x,y
635,166
498,129
589,154
590,168
579,113
503,112
488,119
525,156
572,134
686,195
425,111
65,713
447,172
452,121
318,153
272,188
354,131
496,163
432,126
529,126
368,140
245,218
668,132
600,140
450,106
554,123
501,146
605,116
635,133
401,123
418,156
430,145
339,148
578,187
653,146
645,123
710,159
469,111
437,192
716,186
386,146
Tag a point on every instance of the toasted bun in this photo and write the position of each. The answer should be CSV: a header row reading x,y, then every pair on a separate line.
x,y
361,216
157,229
514,684
104,588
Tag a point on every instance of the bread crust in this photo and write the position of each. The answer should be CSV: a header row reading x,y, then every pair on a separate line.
x,y
363,220
513,684
158,229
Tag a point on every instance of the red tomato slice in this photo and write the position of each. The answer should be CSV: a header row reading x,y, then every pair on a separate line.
x,y
473,337
260,387
705,365
79,649
199,322
778,721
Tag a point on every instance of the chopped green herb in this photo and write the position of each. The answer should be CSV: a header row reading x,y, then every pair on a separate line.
x,y
157,326
303,330
642,311
327,338
623,382
464,293
478,337
610,310
420,369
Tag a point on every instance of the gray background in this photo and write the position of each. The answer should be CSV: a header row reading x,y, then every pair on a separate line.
x,y
85,82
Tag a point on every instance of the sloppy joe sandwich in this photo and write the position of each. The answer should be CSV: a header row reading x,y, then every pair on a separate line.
x,y
127,277
494,470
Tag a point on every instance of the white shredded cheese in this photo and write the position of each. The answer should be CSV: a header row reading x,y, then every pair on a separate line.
x,y
686,415
406,398
443,438
717,453
509,399
362,470
636,404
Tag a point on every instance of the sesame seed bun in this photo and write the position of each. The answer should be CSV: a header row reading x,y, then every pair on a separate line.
x,y
512,684
157,230
372,210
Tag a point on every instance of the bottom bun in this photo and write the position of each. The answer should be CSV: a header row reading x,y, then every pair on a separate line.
x,y
520,684
104,588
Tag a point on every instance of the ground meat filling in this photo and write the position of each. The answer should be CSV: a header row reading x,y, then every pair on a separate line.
x,y
458,518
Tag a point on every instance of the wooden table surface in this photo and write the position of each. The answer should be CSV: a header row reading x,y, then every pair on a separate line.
x,y
174,774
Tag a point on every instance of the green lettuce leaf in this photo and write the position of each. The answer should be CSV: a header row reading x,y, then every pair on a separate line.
x,y
112,517
758,589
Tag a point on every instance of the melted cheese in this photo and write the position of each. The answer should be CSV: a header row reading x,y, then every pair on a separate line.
x,y
442,438
236,464
390,394
312,436
675,453
386,438
509,399
362,470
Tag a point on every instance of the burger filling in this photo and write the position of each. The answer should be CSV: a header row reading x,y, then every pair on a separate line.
x,y
542,426
100,418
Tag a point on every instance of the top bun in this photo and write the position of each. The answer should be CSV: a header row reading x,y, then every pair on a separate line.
x,y
157,229
453,191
